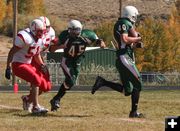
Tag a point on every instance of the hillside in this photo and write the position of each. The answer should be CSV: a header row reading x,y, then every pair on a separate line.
x,y
92,12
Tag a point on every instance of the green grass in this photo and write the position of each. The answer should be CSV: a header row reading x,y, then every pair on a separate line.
x,y
81,111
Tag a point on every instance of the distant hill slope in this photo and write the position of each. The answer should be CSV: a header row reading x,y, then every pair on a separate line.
x,y
92,11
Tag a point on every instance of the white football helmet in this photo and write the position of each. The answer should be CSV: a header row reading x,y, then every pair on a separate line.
x,y
37,27
46,21
130,12
75,27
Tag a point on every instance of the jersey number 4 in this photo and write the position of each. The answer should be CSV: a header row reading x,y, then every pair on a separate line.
x,y
72,52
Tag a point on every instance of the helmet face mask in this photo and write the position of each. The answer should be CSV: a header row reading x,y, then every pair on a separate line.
x,y
74,28
131,13
47,29
74,31
39,33
37,28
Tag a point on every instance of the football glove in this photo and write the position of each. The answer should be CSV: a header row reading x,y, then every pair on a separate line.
x,y
139,45
8,73
44,69
138,34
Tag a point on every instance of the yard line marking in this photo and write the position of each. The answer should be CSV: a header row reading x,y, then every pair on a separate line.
x,y
140,120
9,107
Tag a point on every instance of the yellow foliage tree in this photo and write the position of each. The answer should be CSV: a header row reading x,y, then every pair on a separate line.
x,y
35,7
9,10
3,11
162,45
173,34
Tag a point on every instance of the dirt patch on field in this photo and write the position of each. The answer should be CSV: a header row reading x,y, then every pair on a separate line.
x,y
5,44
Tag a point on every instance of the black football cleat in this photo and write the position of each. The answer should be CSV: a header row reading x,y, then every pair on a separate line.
x,y
134,114
99,83
55,104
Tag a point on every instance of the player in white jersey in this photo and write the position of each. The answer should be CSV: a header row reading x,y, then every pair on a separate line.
x,y
51,39
28,44
49,36
48,39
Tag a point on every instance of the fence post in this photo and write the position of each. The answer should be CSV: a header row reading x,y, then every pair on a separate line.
x,y
14,80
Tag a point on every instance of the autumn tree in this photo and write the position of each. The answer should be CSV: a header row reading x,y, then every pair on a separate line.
x,y
3,11
31,7
162,45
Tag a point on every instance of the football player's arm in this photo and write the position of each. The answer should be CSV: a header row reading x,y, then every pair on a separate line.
x,y
12,51
53,48
100,43
54,41
129,39
19,43
138,44
38,59
93,38
60,42
40,62
53,45
128,34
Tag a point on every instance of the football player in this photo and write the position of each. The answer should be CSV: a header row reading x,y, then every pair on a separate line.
x,y
126,38
74,41
48,39
28,44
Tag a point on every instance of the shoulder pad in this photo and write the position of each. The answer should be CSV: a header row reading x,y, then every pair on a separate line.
x,y
27,37
52,33
126,22
63,36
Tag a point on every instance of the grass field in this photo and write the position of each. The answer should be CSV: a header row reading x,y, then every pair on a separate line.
x,y
81,111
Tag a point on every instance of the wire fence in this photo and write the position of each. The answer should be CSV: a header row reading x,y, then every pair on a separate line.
x,y
87,78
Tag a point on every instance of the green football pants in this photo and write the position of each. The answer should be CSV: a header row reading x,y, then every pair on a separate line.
x,y
71,71
129,74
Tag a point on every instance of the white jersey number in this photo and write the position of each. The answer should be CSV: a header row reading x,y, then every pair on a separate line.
x,y
79,52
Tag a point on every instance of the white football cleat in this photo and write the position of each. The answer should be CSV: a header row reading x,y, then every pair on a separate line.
x,y
26,105
39,110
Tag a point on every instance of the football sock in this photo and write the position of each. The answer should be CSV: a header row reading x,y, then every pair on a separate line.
x,y
115,86
135,99
61,93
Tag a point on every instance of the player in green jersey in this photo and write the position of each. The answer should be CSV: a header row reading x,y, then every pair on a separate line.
x,y
127,39
74,41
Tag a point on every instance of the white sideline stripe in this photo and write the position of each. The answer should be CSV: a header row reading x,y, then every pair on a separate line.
x,y
9,107
140,120
130,120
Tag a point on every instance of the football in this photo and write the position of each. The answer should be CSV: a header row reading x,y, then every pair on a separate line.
x,y
136,34
133,33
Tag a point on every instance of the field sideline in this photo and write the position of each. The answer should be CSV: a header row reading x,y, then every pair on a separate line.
x,y
81,111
